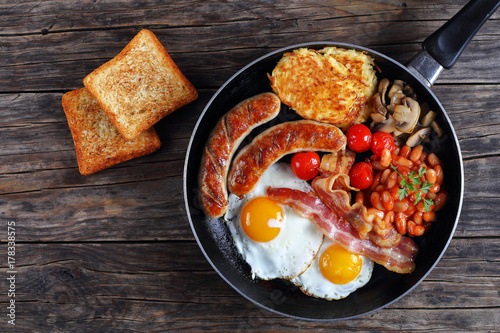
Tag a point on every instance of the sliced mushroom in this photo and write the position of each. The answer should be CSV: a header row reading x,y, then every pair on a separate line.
x,y
397,87
408,91
406,115
378,105
435,126
418,136
387,125
428,118
377,117
382,89
395,100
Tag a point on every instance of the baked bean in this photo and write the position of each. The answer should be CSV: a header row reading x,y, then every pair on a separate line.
x,y
360,197
377,165
416,153
440,201
429,216
404,170
387,200
418,218
433,160
405,151
394,191
389,217
375,212
375,201
439,174
376,181
380,188
391,181
430,176
401,205
400,223
401,161
434,189
423,157
431,195
385,175
385,158
414,230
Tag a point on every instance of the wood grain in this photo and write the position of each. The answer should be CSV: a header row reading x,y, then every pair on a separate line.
x,y
114,251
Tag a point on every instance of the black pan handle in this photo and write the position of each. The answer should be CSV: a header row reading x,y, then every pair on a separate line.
x,y
448,42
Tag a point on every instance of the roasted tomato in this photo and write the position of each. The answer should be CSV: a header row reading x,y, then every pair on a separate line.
x,y
359,138
381,140
305,165
361,175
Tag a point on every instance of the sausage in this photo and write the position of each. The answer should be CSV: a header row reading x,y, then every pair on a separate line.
x,y
223,141
269,146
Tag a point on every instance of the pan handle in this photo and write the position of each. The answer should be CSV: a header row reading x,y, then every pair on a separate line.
x,y
443,47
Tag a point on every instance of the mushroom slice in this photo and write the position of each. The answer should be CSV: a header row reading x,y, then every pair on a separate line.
x,y
377,117
406,115
435,126
427,120
395,100
397,87
382,89
418,136
378,104
387,125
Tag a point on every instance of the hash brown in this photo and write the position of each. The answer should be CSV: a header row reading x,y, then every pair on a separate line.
x,y
332,85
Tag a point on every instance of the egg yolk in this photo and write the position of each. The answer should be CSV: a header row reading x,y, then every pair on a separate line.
x,y
261,219
338,265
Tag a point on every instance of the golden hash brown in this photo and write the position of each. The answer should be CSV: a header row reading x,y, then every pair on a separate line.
x,y
332,85
98,143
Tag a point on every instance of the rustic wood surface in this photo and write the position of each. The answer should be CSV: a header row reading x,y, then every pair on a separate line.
x,y
114,251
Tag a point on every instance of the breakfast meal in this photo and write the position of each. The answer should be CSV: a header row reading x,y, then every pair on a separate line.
x,y
140,86
112,118
320,200
98,143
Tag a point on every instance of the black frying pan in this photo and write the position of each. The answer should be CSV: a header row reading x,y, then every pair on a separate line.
x,y
441,50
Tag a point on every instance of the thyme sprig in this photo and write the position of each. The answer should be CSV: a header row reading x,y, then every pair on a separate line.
x,y
408,186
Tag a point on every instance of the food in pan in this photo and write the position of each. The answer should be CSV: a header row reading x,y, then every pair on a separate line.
x,y
139,86
98,143
274,241
335,273
223,141
331,85
370,199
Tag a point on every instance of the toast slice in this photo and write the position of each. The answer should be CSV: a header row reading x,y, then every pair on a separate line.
x,y
140,85
98,143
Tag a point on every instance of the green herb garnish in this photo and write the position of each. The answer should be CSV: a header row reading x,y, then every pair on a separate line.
x,y
408,185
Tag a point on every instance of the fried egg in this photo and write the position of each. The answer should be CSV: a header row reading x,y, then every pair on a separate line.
x,y
272,239
335,273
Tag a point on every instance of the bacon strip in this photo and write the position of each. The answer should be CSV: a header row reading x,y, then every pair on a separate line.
x,y
334,191
339,162
399,259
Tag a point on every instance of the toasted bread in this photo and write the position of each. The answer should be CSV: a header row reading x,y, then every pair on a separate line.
x,y
140,85
98,144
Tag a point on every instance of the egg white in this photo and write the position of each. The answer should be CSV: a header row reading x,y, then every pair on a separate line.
x,y
313,283
292,251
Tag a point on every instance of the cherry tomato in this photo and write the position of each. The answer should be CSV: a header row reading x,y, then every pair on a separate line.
x,y
359,138
305,165
361,175
381,140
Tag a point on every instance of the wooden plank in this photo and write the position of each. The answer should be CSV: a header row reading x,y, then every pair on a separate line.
x,y
154,286
211,46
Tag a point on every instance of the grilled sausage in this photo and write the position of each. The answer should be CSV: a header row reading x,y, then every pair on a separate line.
x,y
224,139
269,146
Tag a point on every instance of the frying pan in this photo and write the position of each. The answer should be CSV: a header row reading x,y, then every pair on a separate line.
x,y
440,50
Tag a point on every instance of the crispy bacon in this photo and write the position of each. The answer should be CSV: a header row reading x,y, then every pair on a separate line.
x,y
337,162
334,192
399,259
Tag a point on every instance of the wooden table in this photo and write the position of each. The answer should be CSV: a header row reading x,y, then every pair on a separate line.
x,y
114,251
